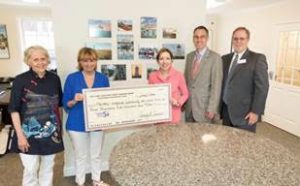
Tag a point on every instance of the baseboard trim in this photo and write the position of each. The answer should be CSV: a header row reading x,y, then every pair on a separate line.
x,y
288,126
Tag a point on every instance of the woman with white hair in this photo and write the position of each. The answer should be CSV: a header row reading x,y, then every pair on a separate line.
x,y
35,108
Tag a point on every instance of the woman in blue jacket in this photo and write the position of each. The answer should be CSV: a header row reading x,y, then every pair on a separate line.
x,y
85,143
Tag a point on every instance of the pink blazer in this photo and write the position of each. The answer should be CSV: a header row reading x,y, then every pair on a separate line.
x,y
178,86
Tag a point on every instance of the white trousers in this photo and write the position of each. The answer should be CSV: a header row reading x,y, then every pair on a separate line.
x,y
87,146
38,169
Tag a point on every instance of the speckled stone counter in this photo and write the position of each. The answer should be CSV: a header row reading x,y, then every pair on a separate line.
x,y
201,154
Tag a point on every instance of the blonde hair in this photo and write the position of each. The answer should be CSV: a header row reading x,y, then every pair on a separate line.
x,y
28,52
86,51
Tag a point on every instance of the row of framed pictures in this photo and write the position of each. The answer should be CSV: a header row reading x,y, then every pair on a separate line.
x,y
136,71
100,28
125,49
125,42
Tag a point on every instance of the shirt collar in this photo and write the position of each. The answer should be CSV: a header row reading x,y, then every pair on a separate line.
x,y
240,54
199,54
34,74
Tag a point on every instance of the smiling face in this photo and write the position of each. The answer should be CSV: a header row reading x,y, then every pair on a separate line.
x,y
164,61
200,39
88,63
38,61
240,40
87,60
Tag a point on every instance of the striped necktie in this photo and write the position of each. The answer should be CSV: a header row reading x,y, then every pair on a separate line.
x,y
196,65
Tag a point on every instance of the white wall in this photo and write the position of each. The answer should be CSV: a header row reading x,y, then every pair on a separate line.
x,y
71,33
261,22
9,15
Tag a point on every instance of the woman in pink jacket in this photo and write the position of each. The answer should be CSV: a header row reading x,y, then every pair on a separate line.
x,y
168,74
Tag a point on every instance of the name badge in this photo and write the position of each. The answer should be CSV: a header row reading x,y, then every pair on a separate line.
x,y
241,61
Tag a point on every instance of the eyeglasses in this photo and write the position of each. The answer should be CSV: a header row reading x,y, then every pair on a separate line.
x,y
239,38
88,60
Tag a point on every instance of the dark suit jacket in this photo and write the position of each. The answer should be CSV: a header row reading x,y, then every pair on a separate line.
x,y
247,87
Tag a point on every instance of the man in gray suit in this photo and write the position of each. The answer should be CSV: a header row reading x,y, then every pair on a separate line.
x,y
203,74
245,83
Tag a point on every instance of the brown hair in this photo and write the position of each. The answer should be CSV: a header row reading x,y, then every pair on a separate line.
x,y
162,51
242,28
28,52
201,28
85,51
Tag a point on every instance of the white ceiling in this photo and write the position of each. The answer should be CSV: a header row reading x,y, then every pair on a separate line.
x,y
43,3
228,5
233,5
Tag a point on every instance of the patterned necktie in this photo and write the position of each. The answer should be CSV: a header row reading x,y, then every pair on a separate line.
x,y
196,65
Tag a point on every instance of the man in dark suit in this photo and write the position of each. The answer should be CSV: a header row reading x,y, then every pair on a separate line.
x,y
245,84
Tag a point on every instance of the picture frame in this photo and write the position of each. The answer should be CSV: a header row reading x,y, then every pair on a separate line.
x,y
136,71
169,33
4,48
149,27
125,25
114,72
99,28
125,47
147,51
104,50
177,49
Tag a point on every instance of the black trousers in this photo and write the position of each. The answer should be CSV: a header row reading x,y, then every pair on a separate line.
x,y
227,120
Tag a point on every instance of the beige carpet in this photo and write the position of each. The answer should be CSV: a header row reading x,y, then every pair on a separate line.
x,y
11,168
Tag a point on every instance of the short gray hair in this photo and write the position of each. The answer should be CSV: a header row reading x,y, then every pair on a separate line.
x,y
28,52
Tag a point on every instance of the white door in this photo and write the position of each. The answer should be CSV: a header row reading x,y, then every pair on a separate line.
x,y
283,103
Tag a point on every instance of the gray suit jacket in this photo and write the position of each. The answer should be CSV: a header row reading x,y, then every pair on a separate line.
x,y
205,89
248,86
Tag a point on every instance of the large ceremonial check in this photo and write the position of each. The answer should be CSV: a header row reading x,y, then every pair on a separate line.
x,y
106,108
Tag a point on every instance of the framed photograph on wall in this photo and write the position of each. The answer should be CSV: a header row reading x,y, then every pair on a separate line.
x,y
147,51
151,67
114,72
103,50
4,50
136,71
125,25
99,28
148,27
169,33
125,46
177,49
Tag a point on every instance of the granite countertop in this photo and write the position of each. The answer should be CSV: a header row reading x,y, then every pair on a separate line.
x,y
202,154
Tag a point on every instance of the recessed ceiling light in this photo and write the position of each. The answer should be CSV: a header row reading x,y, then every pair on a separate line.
x,y
31,1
